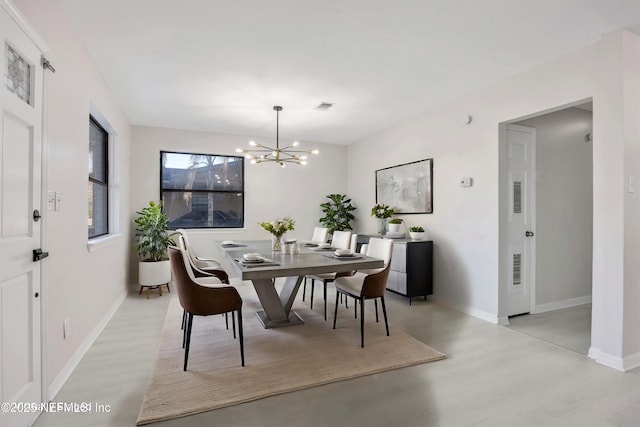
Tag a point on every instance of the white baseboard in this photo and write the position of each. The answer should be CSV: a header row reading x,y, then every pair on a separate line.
x,y
618,363
480,314
631,362
68,369
556,305
503,320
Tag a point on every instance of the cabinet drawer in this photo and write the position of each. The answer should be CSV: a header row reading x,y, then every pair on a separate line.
x,y
399,257
397,282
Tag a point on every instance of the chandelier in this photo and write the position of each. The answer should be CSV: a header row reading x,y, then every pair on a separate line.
x,y
282,156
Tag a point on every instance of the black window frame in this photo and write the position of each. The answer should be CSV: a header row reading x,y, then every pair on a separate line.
x,y
188,153
105,184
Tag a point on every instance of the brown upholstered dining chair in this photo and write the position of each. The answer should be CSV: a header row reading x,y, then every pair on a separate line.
x,y
203,277
203,267
367,284
200,299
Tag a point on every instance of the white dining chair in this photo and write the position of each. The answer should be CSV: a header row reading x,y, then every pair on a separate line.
x,y
354,243
320,235
205,264
341,240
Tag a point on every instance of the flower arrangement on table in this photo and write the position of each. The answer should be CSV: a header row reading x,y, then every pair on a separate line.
x,y
382,212
277,228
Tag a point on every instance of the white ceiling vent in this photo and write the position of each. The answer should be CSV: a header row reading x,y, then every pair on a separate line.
x,y
324,106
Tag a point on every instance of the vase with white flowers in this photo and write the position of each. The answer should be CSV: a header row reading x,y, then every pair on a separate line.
x,y
382,212
277,228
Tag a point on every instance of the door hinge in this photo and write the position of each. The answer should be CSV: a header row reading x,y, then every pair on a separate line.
x,y
46,64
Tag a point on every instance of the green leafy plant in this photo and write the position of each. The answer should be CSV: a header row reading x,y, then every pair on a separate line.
x,y
395,221
337,213
416,229
152,233
380,210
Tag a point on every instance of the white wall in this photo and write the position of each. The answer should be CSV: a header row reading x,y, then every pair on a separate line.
x,y
270,191
465,225
82,286
564,208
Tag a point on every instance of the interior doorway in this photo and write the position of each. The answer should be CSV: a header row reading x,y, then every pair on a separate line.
x,y
563,226
21,220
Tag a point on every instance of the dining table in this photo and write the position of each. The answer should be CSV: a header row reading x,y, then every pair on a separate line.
x,y
277,304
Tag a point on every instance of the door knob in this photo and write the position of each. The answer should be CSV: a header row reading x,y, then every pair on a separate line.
x,y
38,254
529,234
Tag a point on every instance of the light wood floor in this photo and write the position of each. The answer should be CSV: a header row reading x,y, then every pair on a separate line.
x,y
493,376
569,327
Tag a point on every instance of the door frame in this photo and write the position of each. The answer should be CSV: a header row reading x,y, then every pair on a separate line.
x,y
26,27
503,201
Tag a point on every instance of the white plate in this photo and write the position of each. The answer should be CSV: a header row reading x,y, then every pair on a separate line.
x,y
252,261
252,257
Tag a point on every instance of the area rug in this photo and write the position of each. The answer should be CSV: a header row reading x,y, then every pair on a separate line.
x,y
277,360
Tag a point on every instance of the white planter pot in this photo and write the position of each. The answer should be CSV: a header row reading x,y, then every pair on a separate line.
x,y
418,235
394,228
154,273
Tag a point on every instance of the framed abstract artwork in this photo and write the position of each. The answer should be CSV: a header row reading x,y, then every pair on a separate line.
x,y
408,188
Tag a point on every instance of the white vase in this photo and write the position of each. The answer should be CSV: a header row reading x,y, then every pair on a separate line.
x,y
417,235
153,273
394,228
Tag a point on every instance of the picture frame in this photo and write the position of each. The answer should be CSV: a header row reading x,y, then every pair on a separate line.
x,y
407,188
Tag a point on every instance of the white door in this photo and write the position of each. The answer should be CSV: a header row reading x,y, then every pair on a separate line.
x,y
20,196
521,219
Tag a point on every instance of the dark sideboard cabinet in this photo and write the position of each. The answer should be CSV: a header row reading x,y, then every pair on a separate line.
x,y
411,272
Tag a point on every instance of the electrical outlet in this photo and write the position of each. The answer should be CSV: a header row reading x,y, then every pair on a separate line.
x,y
66,329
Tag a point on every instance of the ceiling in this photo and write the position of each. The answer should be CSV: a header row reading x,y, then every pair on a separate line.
x,y
221,65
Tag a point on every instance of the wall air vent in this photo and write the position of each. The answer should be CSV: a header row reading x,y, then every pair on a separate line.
x,y
325,106
517,269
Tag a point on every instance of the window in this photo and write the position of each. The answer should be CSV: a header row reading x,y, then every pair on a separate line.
x,y
202,190
98,179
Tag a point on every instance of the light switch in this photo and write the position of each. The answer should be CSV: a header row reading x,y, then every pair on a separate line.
x,y
466,182
51,200
631,184
58,201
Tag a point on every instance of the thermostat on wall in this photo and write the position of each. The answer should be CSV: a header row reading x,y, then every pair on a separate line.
x,y
466,182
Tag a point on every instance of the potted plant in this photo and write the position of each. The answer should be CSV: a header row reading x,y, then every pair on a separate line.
x,y
337,213
394,225
417,232
152,240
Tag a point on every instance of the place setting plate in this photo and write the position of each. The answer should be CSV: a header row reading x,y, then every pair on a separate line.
x,y
231,244
254,260
308,245
344,255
